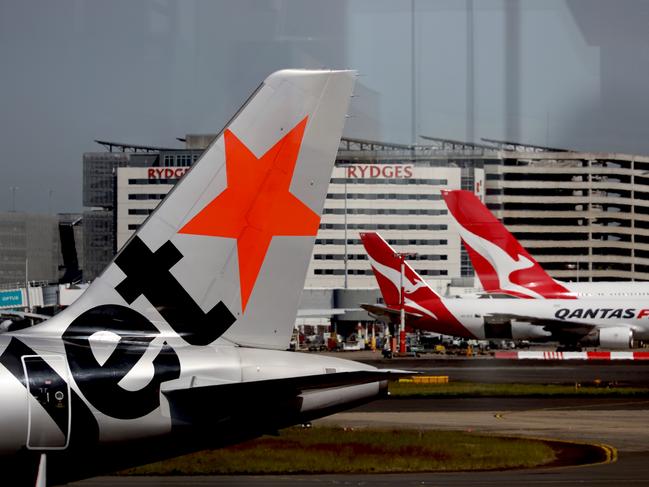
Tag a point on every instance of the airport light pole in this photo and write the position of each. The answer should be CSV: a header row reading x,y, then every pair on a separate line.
x,y
28,300
402,256
13,197
345,256
576,268
346,263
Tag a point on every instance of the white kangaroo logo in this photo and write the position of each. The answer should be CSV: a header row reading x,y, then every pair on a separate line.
x,y
501,261
409,287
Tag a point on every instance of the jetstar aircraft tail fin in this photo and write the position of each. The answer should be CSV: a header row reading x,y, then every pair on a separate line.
x,y
227,251
502,264
419,298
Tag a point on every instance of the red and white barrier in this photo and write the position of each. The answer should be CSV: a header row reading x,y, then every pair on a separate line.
x,y
549,355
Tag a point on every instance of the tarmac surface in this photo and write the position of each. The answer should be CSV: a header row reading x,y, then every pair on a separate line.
x,y
490,370
629,470
496,404
618,422
624,430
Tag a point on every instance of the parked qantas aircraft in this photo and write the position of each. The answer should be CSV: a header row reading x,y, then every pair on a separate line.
x,y
179,344
505,267
613,323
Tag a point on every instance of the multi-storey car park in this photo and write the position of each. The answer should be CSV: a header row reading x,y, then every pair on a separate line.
x,y
583,216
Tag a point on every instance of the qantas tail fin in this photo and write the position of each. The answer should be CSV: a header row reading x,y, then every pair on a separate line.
x,y
420,300
226,253
502,264
386,266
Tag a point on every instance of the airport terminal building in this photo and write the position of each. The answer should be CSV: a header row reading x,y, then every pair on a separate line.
x,y
584,216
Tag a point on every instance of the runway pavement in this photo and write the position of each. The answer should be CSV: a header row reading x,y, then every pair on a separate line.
x,y
465,404
489,369
624,430
628,471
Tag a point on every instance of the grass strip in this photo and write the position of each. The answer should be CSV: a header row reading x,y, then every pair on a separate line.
x,y
470,389
337,450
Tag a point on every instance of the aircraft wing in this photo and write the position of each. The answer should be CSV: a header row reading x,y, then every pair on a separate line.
x,y
497,295
305,313
247,398
23,314
17,320
389,313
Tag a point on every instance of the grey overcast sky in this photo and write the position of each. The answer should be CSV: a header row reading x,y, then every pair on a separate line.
x,y
566,73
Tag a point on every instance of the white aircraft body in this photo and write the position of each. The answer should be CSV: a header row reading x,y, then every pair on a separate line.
x,y
181,343
609,323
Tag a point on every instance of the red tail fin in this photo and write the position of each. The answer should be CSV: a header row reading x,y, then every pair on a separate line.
x,y
387,269
419,297
502,264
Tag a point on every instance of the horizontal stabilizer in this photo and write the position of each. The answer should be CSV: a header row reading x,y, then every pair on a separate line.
x,y
244,397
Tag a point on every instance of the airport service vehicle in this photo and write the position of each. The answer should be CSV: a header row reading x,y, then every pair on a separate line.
x,y
609,323
180,344
505,267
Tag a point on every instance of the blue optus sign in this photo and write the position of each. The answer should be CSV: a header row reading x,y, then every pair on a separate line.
x,y
11,299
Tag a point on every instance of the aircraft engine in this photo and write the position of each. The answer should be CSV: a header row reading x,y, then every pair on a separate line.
x,y
619,337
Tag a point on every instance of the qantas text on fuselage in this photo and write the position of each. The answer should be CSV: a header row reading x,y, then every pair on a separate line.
x,y
602,313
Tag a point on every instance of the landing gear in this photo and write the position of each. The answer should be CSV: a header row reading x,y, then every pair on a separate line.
x,y
41,478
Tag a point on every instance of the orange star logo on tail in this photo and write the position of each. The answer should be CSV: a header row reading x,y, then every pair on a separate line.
x,y
257,204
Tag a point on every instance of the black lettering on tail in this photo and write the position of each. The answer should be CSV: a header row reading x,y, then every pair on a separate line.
x,y
148,273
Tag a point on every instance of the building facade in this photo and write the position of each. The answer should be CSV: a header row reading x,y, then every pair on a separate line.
x,y
29,245
583,216
396,191
388,189
99,217
139,191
